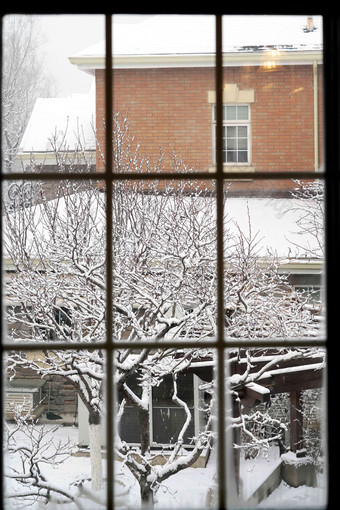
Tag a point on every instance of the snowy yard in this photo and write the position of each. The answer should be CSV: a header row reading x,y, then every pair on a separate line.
x,y
301,497
187,489
254,472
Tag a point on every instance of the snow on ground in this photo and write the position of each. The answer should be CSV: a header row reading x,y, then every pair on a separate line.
x,y
301,497
254,472
187,489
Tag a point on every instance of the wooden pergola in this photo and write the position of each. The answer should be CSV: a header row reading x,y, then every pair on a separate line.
x,y
291,376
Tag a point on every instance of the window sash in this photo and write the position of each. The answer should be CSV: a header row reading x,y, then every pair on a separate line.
x,y
235,134
332,214
159,402
235,143
234,113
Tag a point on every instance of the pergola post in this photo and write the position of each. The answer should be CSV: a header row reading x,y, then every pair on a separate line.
x,y
296,428
297,469
236,437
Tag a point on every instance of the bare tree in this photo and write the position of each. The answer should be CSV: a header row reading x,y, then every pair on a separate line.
x,y
23,80
31,448
164,288
57,249
311,210
260,302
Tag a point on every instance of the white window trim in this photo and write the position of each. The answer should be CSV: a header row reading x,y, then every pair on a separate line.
x,y
233,95
233,166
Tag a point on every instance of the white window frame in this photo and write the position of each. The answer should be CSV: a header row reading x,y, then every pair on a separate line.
x,y
233,123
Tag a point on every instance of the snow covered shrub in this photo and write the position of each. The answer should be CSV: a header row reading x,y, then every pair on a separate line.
x,y
30,449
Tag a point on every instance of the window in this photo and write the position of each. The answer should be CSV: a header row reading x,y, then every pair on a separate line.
x,y
310,294
236,133
104,345
166,417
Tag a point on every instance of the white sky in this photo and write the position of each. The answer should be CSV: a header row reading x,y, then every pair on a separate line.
x,y
66,35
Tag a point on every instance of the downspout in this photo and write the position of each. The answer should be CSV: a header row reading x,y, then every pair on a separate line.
x,y
316,115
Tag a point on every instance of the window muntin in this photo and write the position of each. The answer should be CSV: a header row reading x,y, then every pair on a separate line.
x,y
220,365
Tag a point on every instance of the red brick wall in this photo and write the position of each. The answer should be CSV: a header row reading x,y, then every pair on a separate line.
x,y
168,109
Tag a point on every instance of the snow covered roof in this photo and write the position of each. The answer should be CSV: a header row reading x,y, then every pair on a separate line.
x,y
65,120
273,224
194,35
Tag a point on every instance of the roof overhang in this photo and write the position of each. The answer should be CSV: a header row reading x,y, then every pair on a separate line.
x,y
268,59
302,265
46,158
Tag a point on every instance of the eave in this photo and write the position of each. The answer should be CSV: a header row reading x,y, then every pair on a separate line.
x,y
303,265
269,59
49,158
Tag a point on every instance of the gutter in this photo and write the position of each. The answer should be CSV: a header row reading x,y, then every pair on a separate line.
x,y
89,63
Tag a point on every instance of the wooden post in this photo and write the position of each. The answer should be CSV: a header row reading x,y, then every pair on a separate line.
x,y
236,436
296,429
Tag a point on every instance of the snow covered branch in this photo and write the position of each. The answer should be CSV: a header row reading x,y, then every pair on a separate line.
x,y
164,288
29,448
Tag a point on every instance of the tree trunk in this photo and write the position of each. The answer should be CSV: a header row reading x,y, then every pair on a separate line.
x,y
146,494
144,421
95,452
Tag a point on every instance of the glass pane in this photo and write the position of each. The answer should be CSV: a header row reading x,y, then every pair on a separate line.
x,y
273,65
274,245
54,259
231,131
164,240
275,417
162,394
242,143
163,87
231,157
48,105
231,113
242,156
165,420
168,423
55,429
231,143
242,131
242,112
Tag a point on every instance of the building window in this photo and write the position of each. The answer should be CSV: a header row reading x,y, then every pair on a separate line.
x,y
309,294
166,418
236,133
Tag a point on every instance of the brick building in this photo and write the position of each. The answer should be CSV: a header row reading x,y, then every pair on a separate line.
x,y
164,83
